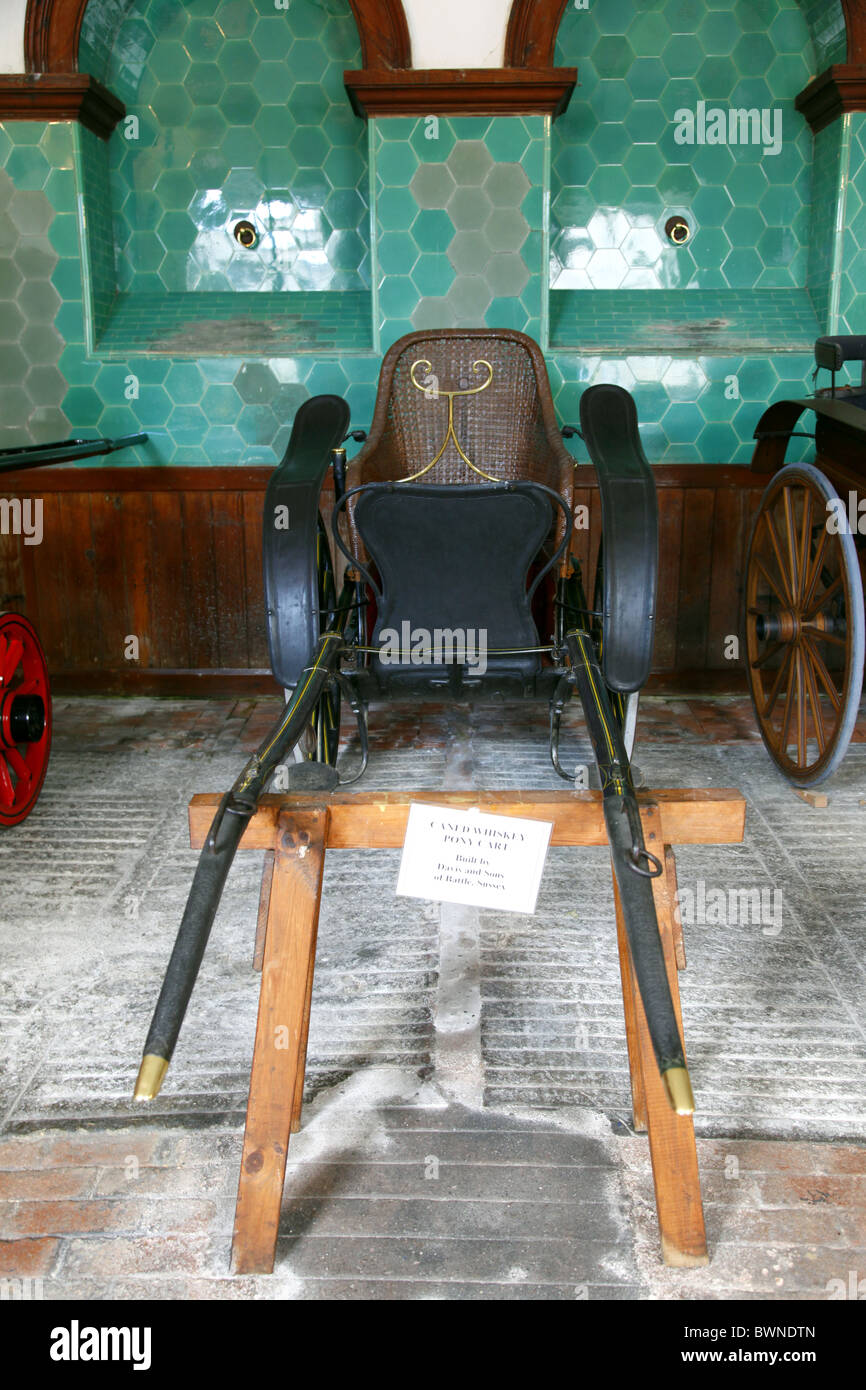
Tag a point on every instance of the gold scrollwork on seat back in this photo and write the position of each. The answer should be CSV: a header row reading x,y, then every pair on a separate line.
x,y
433,394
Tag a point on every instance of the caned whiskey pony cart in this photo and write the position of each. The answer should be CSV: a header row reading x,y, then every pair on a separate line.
x,y
804,579
453,524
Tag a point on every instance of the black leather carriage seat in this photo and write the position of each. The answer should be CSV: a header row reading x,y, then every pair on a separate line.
x,y
455,559
833,351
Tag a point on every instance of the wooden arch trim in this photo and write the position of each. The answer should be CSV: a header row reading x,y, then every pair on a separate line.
x,y
530,39
530,42
526,84
51,33
855,23
842,87
52,29
53,87
384,34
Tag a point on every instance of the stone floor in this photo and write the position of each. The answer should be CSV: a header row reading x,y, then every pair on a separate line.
x,y
502,1168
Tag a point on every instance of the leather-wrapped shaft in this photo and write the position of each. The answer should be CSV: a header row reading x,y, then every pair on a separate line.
x,y
622,818
219,850
641,925
212,869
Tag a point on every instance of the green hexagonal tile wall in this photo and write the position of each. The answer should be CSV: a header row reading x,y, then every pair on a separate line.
x,y
452,204
631,160
851,185
227,132
460,207
35,194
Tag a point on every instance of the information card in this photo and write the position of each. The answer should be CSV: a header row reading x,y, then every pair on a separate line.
x,y
472,857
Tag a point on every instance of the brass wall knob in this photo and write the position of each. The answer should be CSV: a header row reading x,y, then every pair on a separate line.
x,y
245,235
677,230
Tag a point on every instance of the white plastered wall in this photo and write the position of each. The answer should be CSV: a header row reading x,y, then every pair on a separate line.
x,y
12,35
457,33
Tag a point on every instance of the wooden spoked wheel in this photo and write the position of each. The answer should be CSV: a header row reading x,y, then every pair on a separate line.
x,y
25,718
326,717
322,735
804,625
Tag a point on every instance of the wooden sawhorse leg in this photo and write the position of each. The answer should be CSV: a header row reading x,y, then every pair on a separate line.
x,y
258,961
298,832
671,1137
277,1077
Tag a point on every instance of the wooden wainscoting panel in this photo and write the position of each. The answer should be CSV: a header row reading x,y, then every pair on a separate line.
x,y
734,509
252,504
172,556
111,610
694,579
134,514
668,595
170,600
200,587
229,568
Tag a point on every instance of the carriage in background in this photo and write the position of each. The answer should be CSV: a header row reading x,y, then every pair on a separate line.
x,y
804,619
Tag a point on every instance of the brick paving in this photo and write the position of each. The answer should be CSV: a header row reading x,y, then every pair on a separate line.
x,y
415,1175
430,1202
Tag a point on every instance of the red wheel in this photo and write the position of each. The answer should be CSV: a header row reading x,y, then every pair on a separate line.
x,y
25,718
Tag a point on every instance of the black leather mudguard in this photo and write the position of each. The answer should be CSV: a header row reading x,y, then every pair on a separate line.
x,y
289,535
776,426
629,513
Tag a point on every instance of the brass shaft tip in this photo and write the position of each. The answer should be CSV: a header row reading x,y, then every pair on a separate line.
x,y
679,1089
150,1077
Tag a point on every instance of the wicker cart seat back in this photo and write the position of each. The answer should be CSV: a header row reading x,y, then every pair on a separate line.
x,y
493,386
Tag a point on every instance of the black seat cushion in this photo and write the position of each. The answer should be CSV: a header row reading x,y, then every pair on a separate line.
x,y
455,560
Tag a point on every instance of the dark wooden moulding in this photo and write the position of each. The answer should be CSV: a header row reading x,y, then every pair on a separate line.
x,y
526,84
387,84
53,89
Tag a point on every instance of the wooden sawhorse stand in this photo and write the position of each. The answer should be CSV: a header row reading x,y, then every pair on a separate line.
x,y
296,830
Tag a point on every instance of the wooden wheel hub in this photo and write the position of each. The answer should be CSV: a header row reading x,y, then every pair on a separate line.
x,y
783,626
790,625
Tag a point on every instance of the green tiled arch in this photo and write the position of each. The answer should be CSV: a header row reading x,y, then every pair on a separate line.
x,y
240,113
617,142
